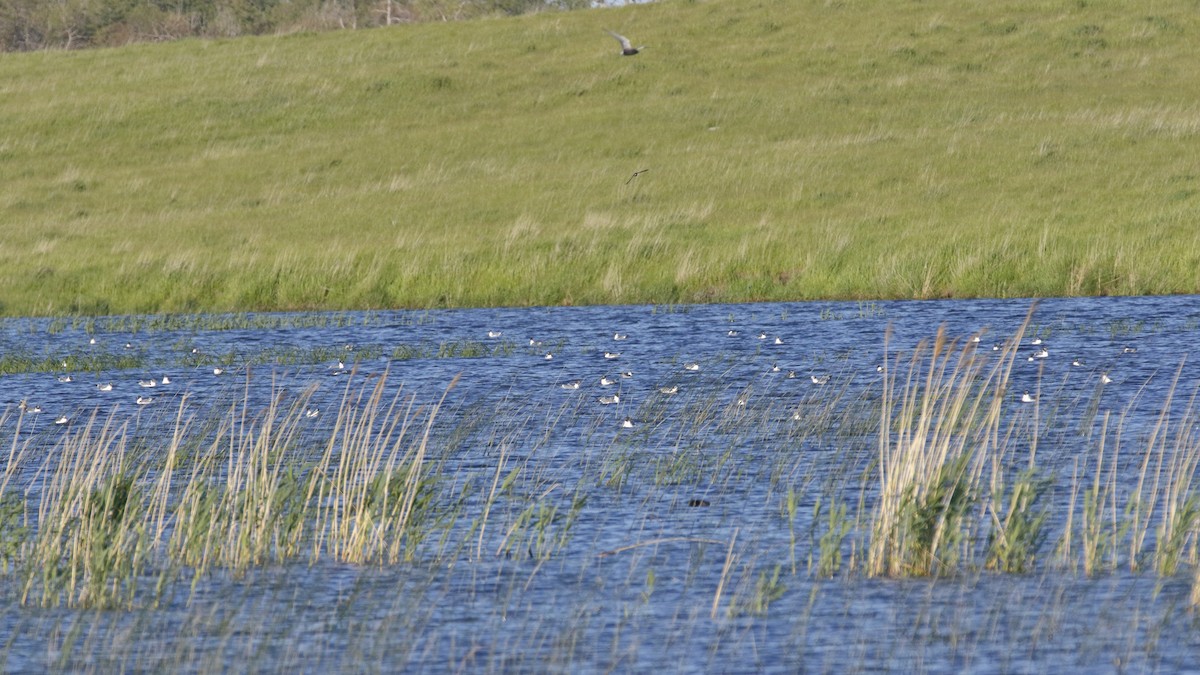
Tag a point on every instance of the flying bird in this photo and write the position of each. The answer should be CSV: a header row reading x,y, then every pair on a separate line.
x,y
627,48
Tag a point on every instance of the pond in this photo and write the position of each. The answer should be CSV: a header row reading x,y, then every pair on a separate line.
x,y
694,488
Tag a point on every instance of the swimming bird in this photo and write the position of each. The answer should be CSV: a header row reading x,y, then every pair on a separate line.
x,y
778,340
1026,398
106,386
145,400
1077,363
606,381
218,371
627,48
612,355
762,336
822,379
1105,378
609,400
165,380
92,341
62,419
791,375
620,336
311,413
1129,350
693,366
65,378
535,343
673,389
732,333
774,367
573,384
627,424
147,383
1036,341
494,333
1041,354
548,357
627,374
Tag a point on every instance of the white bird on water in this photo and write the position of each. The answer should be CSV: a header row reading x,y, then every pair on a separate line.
x,y
627,48
1026,398
693,366
145,400
609,400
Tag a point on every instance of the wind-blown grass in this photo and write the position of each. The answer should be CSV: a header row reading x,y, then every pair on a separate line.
x,y
793,150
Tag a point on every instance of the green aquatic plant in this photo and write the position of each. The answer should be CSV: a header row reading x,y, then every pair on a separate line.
x,y
835,530
1018,529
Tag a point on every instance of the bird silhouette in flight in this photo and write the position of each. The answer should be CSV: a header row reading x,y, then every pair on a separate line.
x,y
627,48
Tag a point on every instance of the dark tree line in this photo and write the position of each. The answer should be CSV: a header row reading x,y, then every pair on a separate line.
x,y
72,24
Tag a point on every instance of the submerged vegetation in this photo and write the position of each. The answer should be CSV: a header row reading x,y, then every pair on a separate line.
x,y
787,150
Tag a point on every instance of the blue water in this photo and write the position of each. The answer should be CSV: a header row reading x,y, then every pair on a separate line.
x,y
632,585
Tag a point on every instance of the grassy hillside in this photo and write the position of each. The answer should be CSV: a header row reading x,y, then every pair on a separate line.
x,y
794,149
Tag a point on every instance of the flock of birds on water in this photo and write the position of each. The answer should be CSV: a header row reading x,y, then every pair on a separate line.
x,y
152,383
1038,351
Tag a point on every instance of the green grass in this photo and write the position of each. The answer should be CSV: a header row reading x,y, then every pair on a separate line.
x,y
794,150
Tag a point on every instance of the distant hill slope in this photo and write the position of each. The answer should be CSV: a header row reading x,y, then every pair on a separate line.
x,y
789,150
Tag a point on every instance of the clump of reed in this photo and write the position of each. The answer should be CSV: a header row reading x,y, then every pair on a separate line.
x,y
106,515
939,447
958,485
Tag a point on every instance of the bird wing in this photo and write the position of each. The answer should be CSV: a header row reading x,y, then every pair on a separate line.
x,y
625,43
